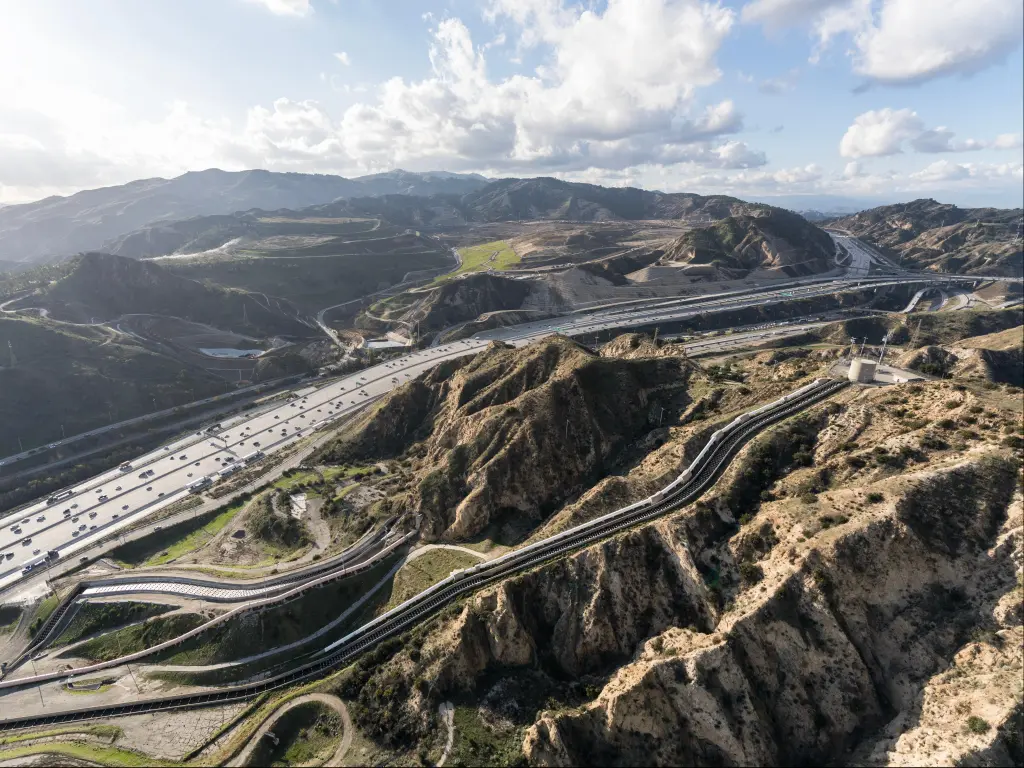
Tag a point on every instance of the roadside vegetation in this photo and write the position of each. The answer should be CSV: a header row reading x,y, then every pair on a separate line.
x,y
426,570
10,615
495,255
42,613
139,637
176,540
307,733
96,617
283,624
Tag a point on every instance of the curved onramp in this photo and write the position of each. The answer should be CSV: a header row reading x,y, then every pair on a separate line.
x,y
331,701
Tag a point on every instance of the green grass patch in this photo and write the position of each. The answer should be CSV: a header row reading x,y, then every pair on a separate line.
x,y
288,482
100,731
91,753
427,570
46,607
138,637
475,744
494,255
306,732
176,540
96,617
280,625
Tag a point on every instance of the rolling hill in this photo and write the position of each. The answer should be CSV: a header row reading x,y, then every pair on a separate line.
x,y
82,377
61,226
737,245
927,234
99,287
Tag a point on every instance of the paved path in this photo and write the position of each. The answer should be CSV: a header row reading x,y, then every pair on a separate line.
x,y
331,701
419,552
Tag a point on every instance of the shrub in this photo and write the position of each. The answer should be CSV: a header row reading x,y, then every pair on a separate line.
x,y
808,498
751,573
875,497
857,462
977,724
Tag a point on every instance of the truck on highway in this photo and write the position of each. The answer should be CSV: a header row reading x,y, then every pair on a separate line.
x,y
57,497
253,457
228,471
32,564
126,467
199,484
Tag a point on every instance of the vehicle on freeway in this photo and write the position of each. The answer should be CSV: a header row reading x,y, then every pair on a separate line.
x,y
67,512
35,551
10,555
32,564
126,467
198,485
41,518
26,542
104,498
92,514
59,497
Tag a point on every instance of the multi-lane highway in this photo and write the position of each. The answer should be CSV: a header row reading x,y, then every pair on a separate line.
x,y
116,499
687,487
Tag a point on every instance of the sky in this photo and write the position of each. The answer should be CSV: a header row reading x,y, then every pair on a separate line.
x,y
822,101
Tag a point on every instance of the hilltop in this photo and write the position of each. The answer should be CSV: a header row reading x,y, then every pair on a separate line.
x,y
99,287
61,226
738,245
927,234
501,440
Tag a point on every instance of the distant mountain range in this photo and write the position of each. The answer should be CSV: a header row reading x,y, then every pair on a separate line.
x,y
55,227
926,234
501,200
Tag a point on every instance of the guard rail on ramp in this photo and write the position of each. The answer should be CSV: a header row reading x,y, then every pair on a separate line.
x,y
701,474
152,585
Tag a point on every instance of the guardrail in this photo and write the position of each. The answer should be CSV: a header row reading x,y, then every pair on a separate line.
x,y
256,605
43,636
684,489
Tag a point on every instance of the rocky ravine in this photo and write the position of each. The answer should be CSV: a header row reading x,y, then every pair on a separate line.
x,y
849,593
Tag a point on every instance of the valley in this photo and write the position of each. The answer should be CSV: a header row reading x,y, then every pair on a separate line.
x,y
583,479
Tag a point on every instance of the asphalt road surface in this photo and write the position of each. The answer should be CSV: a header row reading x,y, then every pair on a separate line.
x,y
116,499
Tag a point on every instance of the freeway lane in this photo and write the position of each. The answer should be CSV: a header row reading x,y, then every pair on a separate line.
x,y
177,465
43,527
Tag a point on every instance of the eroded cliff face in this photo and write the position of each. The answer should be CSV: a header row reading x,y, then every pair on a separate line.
x,y
855,629
514,433
849,592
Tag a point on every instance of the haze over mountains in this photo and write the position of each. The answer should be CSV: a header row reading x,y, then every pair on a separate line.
x,y
60,226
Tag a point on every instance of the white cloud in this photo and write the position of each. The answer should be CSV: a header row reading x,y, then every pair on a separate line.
x,y
1008,141
343,58
880,132
286,7
853,169
904,41
884,131
941,140
619,85
917,40
945,170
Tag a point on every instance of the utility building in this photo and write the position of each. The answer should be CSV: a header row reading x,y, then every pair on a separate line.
x,y
862,371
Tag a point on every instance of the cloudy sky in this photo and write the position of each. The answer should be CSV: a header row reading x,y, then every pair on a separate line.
x,y
871,100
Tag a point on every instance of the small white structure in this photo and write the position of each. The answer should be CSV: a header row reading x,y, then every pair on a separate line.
x,y
862,371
